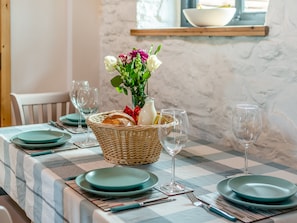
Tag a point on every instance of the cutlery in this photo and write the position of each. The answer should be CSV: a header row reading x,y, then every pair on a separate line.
x,y
67,128
141,204
51,151
55,124
196,202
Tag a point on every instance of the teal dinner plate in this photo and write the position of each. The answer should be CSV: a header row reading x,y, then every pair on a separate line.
x,y
117,178
262,188
85,185
224,189
21,143
40,136
66,121
74,117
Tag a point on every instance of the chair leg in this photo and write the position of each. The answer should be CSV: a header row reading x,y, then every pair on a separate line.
x,y
17,214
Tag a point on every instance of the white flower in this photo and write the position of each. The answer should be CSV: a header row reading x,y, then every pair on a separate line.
x,y
110,62
153,63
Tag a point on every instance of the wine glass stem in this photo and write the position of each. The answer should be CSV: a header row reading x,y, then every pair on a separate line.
x,y
173,171
79,121
246,159
88,135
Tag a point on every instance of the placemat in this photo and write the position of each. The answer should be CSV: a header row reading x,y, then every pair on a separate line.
x,y
71,129
244,214
105,203
91,144
66,146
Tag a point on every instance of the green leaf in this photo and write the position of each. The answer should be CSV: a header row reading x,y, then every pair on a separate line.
x,y
146,75
151,49
158,49
116,81
119,89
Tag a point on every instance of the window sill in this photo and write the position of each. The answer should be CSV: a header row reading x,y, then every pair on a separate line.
x,y
204,31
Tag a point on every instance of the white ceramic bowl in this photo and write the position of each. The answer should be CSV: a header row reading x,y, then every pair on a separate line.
x,y
209,17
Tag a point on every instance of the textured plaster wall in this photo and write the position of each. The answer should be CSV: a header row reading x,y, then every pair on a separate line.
x,y
208,75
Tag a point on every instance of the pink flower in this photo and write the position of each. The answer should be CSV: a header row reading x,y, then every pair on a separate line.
x,y
124,58
143,55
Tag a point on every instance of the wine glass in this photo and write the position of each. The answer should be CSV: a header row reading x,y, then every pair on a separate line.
x,y
246,126
75,86
88,104
173,135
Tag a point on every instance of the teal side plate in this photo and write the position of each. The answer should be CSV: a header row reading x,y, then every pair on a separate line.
x,y
40,136
224,189
74,117
66,121
21,143
85,185
262,188
117,178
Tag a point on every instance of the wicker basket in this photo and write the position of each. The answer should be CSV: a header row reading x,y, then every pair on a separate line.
x,y
128,145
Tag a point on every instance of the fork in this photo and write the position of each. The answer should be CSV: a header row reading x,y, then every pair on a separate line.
x,y
196,202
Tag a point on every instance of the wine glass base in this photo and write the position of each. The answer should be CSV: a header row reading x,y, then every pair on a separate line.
x,y
87,144
80,130
172,188
239,175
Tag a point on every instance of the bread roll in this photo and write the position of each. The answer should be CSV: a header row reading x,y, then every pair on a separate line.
x,y
119,118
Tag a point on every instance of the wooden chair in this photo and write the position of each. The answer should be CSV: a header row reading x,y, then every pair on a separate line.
x,y
40,107
11,212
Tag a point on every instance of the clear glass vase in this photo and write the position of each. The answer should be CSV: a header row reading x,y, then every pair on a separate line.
x,y
138,96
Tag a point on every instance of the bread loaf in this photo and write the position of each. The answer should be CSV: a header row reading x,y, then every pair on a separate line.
x,y
119,118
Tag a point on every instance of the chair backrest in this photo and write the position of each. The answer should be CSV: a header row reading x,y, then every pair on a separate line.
x,y
4,215
40,107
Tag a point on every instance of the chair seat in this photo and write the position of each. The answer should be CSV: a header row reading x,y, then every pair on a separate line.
x,y
11,212
4,215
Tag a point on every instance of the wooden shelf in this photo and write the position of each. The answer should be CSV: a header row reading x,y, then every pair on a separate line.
x,y
204,31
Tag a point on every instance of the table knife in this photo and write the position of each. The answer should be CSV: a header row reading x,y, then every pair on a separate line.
x,y
220,212
50,151
140,204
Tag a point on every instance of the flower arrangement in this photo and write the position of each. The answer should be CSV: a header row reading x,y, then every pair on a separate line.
x,y
135,69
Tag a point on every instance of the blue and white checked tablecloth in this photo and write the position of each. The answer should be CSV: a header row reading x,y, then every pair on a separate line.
x,y
37,184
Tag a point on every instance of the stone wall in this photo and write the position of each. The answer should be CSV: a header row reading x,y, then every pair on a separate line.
x,y
208,75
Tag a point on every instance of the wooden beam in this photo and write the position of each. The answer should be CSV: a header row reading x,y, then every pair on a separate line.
x,y
5,78
204,31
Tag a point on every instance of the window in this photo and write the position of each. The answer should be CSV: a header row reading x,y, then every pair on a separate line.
x,y
248,12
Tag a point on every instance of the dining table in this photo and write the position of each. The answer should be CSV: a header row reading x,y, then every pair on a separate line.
x,y
44,185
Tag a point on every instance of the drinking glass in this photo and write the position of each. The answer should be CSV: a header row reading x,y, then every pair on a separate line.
x,y
173,135
246,126
88,104
75,86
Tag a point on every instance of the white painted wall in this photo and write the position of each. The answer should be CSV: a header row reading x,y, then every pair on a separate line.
x,y
158,13
53,42
204,75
